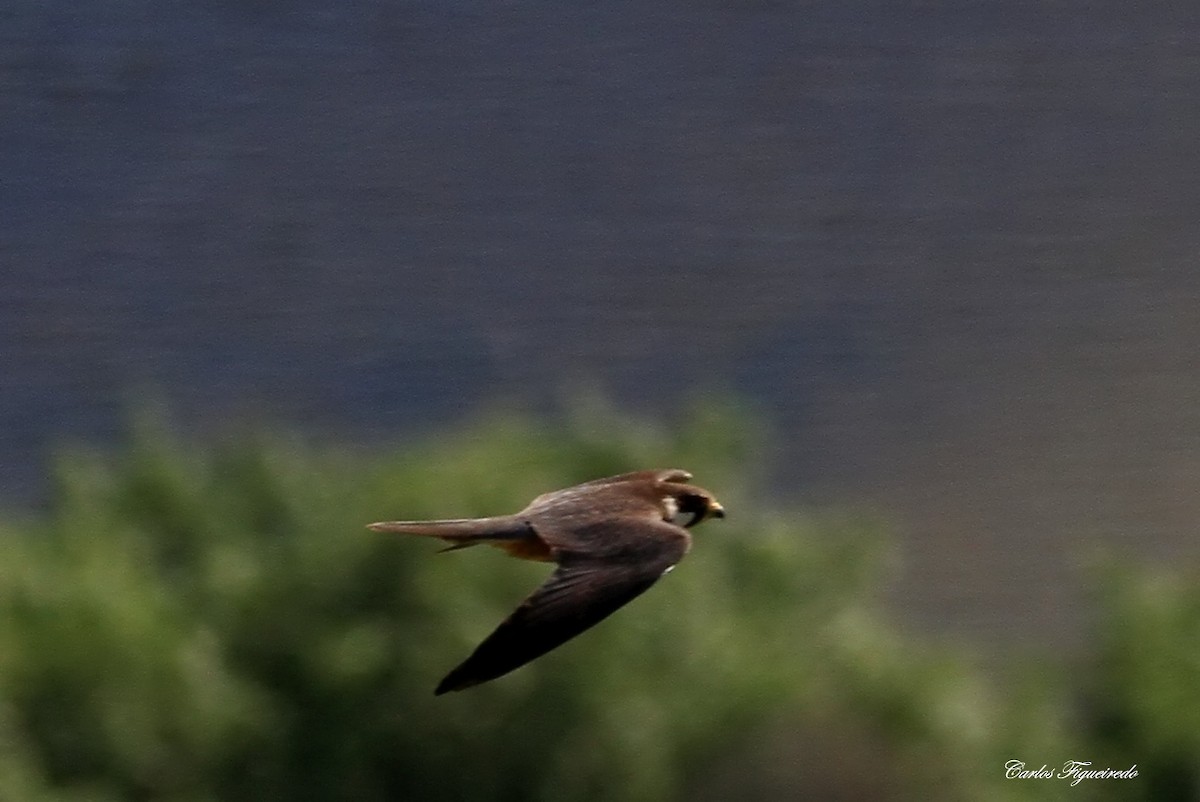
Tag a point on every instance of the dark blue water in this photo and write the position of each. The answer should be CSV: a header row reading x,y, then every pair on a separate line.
x,y
949,249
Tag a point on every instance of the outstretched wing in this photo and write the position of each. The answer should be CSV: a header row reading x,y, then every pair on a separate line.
x,y
580,593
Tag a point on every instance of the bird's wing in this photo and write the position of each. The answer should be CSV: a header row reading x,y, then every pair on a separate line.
x,y
658,475
580,593
655,476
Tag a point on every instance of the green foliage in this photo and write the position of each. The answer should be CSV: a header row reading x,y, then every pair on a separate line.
x,y
1145,696
215,623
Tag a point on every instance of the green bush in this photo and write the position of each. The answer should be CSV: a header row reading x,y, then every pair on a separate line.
x,y
1144,700
193,622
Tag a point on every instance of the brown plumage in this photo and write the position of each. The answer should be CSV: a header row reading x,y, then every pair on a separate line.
x,y
612,539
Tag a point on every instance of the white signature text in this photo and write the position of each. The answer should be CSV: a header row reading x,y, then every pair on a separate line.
x,y
1074,770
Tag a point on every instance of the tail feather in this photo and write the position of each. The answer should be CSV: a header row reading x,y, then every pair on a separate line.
x,y
462,532
462,544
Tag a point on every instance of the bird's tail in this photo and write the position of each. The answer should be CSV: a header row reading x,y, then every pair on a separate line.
x,y
462,532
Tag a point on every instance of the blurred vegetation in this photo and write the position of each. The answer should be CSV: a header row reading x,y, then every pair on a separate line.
x,y
214,622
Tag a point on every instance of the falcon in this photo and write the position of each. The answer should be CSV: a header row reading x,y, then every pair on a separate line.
x,y
611,539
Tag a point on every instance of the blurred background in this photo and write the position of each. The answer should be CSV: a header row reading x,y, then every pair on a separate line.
x,y
940,257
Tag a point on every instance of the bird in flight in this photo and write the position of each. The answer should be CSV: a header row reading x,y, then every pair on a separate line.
x,y
611,539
